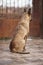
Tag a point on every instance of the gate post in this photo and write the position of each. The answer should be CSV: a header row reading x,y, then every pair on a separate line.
x,y
41,18
35,24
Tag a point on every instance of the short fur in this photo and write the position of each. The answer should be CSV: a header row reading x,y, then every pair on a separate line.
x,y
20,38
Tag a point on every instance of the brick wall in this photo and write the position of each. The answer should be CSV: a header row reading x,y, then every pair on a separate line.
x,y
7,26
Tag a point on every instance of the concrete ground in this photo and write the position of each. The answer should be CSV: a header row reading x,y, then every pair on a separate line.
x,y
34,46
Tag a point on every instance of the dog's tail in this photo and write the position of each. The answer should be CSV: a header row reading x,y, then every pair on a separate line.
x,y
23,52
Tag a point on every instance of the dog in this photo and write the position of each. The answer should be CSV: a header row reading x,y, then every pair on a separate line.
x,y
18,43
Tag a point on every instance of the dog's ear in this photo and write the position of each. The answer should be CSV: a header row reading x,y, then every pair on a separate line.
x,y
24,9
29,11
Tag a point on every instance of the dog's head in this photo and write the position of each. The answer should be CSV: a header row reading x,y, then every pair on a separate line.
x,y
28,12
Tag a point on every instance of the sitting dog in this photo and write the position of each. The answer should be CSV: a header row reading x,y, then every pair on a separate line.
x,y
19,41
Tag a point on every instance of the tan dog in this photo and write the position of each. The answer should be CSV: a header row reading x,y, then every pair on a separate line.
x,y
19,41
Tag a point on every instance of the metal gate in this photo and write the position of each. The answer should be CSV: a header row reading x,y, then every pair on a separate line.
x,y
13,8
